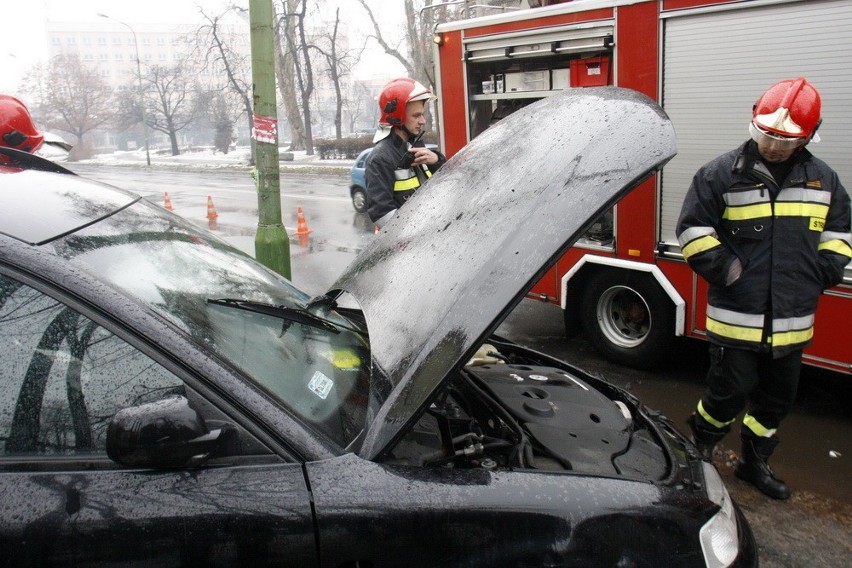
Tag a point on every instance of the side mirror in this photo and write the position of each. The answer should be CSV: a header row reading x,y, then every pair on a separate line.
x,y
167,433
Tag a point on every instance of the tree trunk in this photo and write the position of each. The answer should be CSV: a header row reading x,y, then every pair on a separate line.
x,y
285,71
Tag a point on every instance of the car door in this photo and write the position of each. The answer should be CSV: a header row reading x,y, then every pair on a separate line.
x,y
62,379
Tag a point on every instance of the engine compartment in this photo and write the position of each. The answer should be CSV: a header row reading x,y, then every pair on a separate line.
x,y
513,415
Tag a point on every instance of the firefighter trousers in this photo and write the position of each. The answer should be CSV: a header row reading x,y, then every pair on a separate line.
x,y
738,378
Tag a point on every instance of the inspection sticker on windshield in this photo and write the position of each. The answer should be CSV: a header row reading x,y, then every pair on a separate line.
x,y
320,385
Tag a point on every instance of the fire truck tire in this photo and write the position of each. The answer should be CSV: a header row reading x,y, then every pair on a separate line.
x,y
628,317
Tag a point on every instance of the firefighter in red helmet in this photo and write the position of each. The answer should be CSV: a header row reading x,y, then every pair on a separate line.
x,y
768,226
400,163
16,126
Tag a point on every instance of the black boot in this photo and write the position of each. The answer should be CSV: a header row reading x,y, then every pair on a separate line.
x,y
752,466
705,436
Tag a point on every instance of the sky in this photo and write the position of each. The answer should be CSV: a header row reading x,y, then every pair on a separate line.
x,y
23,42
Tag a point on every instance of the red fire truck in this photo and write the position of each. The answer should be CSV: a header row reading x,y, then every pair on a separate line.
x,y
706,61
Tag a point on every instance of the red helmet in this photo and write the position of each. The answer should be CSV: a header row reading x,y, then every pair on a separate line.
x,y
790,108
16,126
395,95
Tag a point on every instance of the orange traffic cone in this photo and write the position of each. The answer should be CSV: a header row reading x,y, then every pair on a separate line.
x,y
211,209
301,224
168,202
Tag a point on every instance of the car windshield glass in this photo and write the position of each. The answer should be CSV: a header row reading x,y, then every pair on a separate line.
x,y
312,362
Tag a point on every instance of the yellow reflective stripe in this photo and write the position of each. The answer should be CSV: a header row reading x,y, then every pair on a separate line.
x,y
734,331
406,184
759,429
836,245
428,172
792,337
700,245
748,212
794,209
710,419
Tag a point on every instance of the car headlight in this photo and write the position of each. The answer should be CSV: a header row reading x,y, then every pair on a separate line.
x,y
719,541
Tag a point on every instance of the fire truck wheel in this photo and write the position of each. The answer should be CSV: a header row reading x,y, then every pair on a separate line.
x,y
628,317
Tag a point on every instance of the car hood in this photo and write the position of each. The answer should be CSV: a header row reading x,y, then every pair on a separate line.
x,y
465,249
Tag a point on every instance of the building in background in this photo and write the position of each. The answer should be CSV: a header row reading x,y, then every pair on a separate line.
x,y
111,46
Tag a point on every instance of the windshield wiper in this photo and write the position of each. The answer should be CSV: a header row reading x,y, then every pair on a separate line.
x,y
296,315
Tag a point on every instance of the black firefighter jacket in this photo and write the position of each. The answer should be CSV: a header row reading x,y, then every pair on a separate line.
x,y
793,242
388,184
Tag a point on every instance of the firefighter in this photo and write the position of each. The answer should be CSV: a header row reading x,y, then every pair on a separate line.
x,y
399,163
17,129
768,226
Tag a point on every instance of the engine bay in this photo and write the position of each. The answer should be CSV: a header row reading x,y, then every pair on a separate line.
x,y
512,415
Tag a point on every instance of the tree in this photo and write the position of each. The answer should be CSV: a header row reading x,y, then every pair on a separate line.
x,y
418,61
70,97
219,53
420,19
170,100
339,64
356,104
222,117
295,63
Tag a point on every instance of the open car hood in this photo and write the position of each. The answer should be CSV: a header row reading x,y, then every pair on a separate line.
x,y
464,251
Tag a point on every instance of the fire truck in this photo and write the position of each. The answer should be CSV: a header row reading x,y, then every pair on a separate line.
x,y
625,283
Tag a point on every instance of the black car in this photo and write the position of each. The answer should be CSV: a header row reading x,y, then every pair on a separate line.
x,y
167,400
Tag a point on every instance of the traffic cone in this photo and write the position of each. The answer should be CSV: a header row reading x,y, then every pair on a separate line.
x,y
211,209
168,202
301,224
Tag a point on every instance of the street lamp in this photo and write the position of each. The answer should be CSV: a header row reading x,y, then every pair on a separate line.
x,y
139,79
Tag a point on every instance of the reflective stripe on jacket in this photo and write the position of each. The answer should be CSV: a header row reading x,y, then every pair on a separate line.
x,y
793,242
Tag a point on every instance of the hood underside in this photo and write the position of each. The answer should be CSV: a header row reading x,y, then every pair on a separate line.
x,y
461,253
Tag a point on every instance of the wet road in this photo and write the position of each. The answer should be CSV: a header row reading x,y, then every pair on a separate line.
x,y
813,529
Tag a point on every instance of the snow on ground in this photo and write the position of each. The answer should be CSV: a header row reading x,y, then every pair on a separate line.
x,y
206,158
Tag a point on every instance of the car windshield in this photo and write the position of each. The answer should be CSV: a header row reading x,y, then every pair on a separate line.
x,y
314,363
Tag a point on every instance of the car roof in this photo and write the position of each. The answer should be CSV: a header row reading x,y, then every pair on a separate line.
x,y
61,207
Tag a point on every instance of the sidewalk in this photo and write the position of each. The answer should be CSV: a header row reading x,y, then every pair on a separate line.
x,y
236,160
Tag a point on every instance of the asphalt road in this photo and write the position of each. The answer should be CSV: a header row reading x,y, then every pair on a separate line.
x,y
812,529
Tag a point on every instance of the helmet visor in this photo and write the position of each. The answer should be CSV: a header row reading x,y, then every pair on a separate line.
x,y
773,140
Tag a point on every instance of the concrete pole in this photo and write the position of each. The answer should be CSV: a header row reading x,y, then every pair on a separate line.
x,y
271,243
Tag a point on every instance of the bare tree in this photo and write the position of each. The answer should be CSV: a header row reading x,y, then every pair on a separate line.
x,y
70,97
285,71
294,71
356,104
220,55
339,64
170,100
418,60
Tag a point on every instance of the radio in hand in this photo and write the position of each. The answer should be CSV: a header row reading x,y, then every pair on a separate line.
x,y
408,158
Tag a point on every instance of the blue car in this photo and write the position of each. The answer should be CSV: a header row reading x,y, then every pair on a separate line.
x,y
358,185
